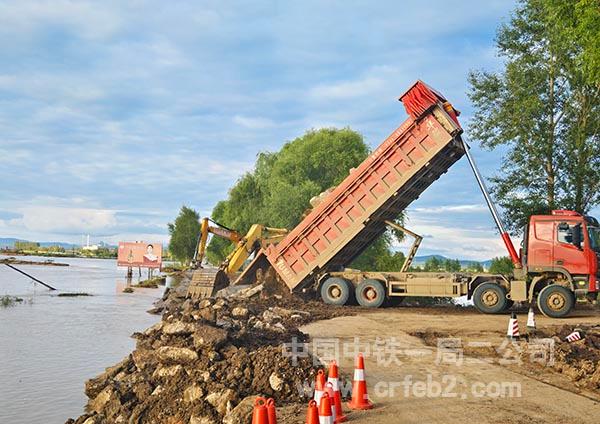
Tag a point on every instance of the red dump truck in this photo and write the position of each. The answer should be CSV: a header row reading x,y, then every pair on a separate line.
x,y
556,264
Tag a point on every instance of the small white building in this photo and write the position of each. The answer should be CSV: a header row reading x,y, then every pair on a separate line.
x,y
88,246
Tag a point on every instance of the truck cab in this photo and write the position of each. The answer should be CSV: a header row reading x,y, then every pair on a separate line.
x,y
561,250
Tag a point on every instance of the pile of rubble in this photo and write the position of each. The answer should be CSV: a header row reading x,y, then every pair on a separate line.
x,y
579,360
206,361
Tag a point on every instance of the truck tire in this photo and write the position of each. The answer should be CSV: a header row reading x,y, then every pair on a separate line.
x,y
490,298
370,294
336,291
555,301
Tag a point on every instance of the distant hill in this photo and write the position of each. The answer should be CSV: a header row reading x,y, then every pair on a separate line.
x,y
420,261
9,243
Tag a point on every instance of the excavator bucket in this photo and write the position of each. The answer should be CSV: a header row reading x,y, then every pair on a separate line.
x,y
206,282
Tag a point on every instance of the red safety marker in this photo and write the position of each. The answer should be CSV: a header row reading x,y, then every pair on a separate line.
x,y
360,398
333,378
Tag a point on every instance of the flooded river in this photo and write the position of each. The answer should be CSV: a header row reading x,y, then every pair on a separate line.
x,y
50,345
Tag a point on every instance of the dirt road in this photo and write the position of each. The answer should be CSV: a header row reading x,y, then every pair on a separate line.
x,y
410,380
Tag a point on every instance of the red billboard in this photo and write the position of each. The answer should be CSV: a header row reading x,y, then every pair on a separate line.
x,y
139,254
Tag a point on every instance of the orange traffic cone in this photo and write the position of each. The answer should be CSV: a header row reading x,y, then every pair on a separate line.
x,y
319,386
312,414
513,328
260,414
329,391
337,396
325,416
360,398
271,411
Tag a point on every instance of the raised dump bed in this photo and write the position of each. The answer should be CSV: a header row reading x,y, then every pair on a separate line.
x,y
352,216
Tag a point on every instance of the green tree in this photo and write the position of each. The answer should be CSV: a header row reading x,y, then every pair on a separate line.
x,y
502,265
474,267
379,257
452,265
544,106
184,235
277,192
433,264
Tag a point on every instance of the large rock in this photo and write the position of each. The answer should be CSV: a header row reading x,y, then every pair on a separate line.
x,y
181,355
97,384
98,403
276,382
222,401
142,358
192,393
242,413
162,372
205,314
207,336
178,328
239,312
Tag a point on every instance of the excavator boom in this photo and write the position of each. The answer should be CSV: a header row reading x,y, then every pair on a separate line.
x,y
207,281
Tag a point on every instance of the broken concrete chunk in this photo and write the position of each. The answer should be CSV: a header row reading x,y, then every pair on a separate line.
x,y
239,312
192,393
222,400
180,355
275,382
177,328
242,413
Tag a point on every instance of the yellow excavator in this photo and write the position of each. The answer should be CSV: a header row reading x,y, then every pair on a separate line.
x,y
206,282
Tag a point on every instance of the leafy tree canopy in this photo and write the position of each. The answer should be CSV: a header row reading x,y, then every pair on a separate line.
x,y
502,265
184,234
544,106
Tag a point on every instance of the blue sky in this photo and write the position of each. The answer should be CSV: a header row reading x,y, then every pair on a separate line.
x,y
114,114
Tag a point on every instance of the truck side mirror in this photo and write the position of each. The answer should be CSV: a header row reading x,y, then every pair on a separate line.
x,y
577,236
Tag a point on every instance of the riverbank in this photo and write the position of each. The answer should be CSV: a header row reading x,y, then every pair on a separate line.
x,y
206,361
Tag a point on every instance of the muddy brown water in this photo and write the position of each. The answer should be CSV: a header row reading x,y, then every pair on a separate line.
x,y
50,345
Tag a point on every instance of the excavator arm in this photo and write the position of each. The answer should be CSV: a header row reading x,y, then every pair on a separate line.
x,y
218,230
258,236
206,282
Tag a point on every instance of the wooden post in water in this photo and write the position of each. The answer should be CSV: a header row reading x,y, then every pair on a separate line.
x,y
30,276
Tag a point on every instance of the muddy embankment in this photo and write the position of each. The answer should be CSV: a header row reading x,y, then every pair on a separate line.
x,y
207,360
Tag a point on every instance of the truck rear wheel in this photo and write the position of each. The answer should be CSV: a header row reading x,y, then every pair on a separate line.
x,y
555,301
336,291
370,293
490,298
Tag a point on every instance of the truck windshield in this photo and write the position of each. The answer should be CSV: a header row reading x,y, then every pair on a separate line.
x,y
594,234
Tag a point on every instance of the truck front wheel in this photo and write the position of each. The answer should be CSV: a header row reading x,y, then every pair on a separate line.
x,y
370,293
555,301
490,298
336,291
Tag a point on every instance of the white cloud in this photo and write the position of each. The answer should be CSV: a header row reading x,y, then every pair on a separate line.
x,y
48,219
347,89
90,19
476,208
253,122
448,238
